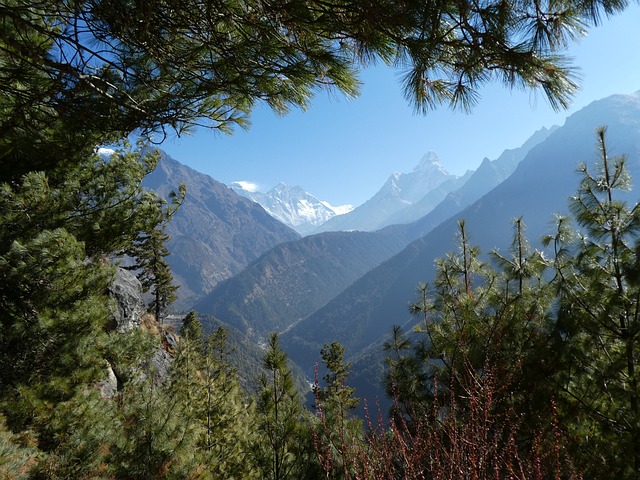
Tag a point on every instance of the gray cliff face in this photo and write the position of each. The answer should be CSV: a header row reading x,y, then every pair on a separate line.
x,y
126,292
126,315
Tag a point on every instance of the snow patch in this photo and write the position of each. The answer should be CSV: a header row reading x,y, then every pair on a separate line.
x,y
339,210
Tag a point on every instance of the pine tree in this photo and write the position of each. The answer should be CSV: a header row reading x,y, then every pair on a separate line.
x,y
191,329
485,332
155,273
117,67
219,413
279,412
149,251
336,387
536,340
597,321
447,336
56,232
155,439
16,458
336,431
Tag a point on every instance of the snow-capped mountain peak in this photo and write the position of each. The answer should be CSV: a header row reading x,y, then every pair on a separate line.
x,y
415,192
431,164
245,186
292,205
427,175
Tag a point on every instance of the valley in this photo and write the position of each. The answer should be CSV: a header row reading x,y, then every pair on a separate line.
x,y
353,286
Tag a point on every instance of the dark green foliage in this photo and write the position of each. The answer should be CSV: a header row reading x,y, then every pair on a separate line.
x,y
81,436
164,290
278,451
16,456
153,439
155,273
85,428
597,320
54,236
335,380
118,66
149,250
45,307
335,426
57,228
480,325
191,328
218,411
406,379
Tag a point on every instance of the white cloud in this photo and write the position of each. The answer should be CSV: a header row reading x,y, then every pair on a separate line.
x,y
248,186
106,152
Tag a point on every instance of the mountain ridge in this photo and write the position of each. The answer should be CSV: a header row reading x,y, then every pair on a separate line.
x,y
400,191
271,294
215,233
540,186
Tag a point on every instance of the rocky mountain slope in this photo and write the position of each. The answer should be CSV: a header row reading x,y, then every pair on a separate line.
x,y
216,232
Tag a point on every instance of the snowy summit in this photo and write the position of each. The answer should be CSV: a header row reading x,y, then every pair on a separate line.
x,y
293,206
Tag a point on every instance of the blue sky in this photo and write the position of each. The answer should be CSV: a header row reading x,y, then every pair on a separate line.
x,y
342,150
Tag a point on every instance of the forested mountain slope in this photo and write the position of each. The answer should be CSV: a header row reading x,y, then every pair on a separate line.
x,y
296,278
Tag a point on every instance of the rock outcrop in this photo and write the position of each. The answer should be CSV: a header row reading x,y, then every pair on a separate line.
x,y
129,305
126,316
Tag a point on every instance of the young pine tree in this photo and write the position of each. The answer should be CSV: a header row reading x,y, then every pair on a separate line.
x,y
278,451
150,250
598,321
155,274
484,345
337,433
220,415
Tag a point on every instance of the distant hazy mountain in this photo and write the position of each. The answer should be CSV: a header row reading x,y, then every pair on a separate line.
x,y
296,278
293,206
488,175
426,185
216,232
363,314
